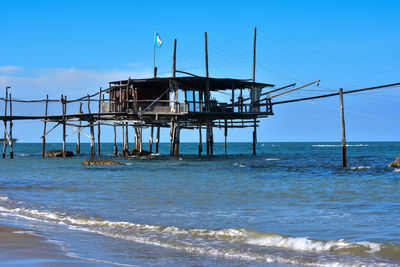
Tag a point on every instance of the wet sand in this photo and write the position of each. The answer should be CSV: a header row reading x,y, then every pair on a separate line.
x,y
22,247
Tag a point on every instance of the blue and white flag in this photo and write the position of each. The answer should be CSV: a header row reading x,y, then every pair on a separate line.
x,y
157,40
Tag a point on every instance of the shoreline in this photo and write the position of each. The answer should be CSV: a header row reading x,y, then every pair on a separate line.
x,y
24,247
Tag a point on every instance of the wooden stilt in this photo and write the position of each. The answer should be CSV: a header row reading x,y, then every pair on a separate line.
x,y
5,123
208,137
344,149
44,128
64,106
91,131
211,141
78,141
255,137
172,137
115,140
126,137
151,138
92,153
140,137
98,125
158,137
123,139
177,134
200,143
226,136
11,133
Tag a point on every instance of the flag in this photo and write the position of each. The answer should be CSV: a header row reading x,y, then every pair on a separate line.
x,y
157,40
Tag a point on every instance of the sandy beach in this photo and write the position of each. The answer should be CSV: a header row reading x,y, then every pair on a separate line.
x,y
22,247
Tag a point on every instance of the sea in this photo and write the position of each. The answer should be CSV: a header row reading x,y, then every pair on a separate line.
x,y
292,204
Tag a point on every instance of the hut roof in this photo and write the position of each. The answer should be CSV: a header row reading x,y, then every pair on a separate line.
x,y
191,83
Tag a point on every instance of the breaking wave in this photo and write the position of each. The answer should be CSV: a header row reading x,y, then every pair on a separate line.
x,y
237,243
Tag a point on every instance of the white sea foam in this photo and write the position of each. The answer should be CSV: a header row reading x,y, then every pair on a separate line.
x,y
396,170
3,198
358,145
359,168
308,245
272,159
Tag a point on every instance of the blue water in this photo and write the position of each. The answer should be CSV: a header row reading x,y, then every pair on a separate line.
x,y
291,205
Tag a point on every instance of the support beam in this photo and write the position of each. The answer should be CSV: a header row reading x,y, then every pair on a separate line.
x,y
64,106
44,127
177,141
78,141
158,137
200,143
11,133
255,137
344,152
226,136
151,138
115,140
5,123
91,131
126,137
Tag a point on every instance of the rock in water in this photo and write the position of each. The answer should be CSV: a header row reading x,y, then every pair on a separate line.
x,y
135,152
396,163
58,153
101,162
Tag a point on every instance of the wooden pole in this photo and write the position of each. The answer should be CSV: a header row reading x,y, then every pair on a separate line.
x,y
126,137
200,143
254,80
140,139
344,152
11,134
177,141
174,61
255,137
172,126
78,141
208,137
254,54
151,138
123,139
158,137
44,128
226,136
115,140
98,125
64,107
5,124
91,131
211,141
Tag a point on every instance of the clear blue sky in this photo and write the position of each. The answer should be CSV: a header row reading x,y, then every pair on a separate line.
x,y
73,47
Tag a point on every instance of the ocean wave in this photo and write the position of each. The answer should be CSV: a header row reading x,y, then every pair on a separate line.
x,y
396,170
229,243
309,245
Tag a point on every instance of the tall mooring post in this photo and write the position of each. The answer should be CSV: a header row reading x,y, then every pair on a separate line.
x,y
344,152
98,125
209,134
254,80
44,127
